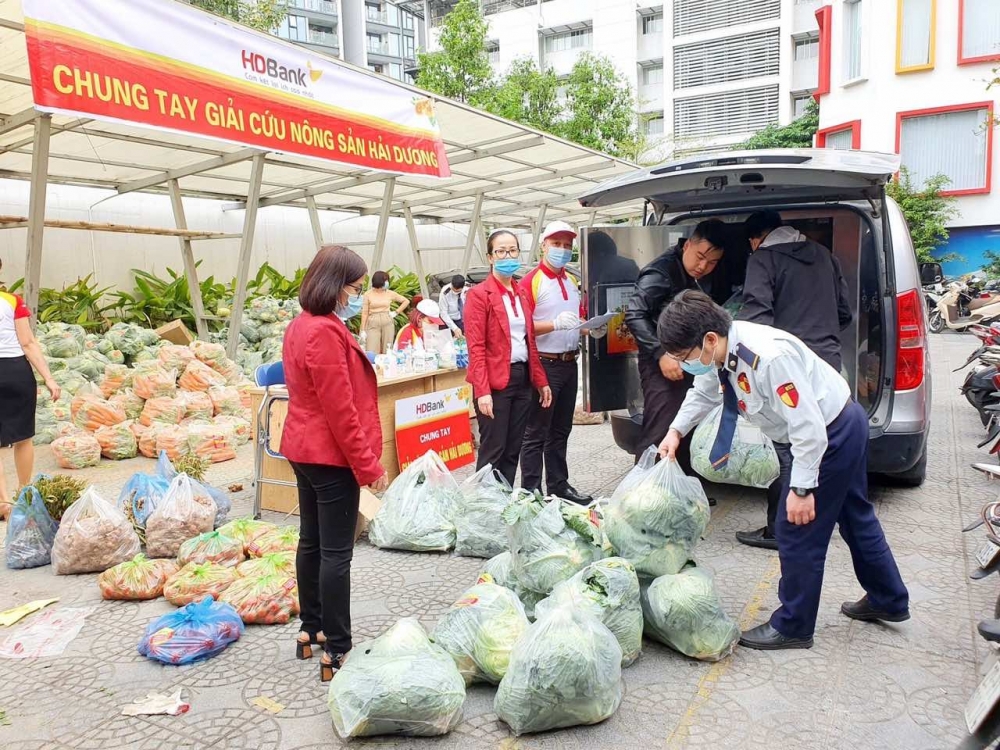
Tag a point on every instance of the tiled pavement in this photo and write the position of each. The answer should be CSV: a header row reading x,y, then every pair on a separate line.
x,y
861,686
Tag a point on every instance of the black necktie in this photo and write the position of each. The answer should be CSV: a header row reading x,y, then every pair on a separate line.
x,y
461,303
727,425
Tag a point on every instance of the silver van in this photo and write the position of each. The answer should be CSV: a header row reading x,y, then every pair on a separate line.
x,y
836,198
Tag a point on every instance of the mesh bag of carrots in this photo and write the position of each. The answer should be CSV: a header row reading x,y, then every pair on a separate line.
x,y
128,402
197,580
197,405
282,539
175,357
117,441
215,443
207,352
196,631
137,579
152,381
246,530
172,440
95,413
78,451
147,438
242,429
226,400
199,377
214,547
231,371
87,392
267,600
246,395
113,380
162,409
272,564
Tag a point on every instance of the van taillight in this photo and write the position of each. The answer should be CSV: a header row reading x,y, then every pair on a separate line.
x,y
910,341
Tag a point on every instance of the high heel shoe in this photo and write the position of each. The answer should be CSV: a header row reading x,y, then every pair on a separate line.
x,y
330,665
304,643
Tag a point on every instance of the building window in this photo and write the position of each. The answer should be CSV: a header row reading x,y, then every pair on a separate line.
x,y
652,24
396,71
727,113
298,28
493,52
695,16
653,125
392,15
852,39
806,49
954,141
375,13
800,103
579,39
322,35
840,137
915,29
652,75
978,31
377,68
734,58
375,44
407,20
409,48
394,46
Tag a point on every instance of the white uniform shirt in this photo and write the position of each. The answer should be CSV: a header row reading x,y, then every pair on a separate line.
x,y
784,389
518,334
547,295
448,302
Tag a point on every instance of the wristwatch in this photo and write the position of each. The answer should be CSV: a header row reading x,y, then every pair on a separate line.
x,y
802,491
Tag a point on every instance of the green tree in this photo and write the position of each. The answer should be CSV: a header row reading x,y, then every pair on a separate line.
x,y
992,267
461,68
797,134
527,95
263,15
601,109
927,212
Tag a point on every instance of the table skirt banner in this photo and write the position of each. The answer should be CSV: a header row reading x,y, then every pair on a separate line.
x,y
436,421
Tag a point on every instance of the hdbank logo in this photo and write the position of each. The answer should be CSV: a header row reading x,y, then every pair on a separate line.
x,y
268,66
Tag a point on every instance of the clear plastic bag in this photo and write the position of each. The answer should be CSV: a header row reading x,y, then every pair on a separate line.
x,y
480,630
182,514
242,429
95,413
271,564
214,443
214,547
656,516
281,539
197,405
199,377
141,495
500,570
153,381
171,440
207,352
226,400
195,631
752,460
195,581
418,509
118,441
30,531
480,530
400,683
113,380
246,529
683,612
223,504
93,536
263,600
138,579
609,590
175,357
566,671
126,400
164,409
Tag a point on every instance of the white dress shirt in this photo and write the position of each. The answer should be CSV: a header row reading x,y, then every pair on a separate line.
x,y
518,334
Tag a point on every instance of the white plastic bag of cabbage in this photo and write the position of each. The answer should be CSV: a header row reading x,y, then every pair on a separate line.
x,y
399,683
480,630
752,460
499,570
656,516
683,612
566,671
480,530
550,540
609,590
418,509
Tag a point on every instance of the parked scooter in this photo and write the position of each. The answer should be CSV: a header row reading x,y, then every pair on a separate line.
x,y
933,294
958,309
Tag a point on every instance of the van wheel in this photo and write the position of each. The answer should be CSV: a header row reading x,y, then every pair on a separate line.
x,y
914,476
935,322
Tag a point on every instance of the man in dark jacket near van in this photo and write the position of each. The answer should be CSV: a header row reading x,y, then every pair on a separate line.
x,y
796,285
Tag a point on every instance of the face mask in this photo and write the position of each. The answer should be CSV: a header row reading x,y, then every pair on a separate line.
x,y
353,307
558,257
507,267
697,367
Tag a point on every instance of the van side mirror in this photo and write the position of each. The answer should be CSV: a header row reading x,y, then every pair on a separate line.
x,y
930,273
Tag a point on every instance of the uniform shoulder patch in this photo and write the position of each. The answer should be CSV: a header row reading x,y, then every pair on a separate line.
x,y
788,394
751,359
743,382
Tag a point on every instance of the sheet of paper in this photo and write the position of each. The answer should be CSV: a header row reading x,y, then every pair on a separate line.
x,y
597,321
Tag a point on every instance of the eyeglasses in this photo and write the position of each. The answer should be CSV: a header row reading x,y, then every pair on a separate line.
x,y
685,357
512,252
354,288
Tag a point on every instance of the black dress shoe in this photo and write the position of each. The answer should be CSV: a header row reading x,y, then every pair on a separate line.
x,y
758,538
864,611
711,502
765,638
568,493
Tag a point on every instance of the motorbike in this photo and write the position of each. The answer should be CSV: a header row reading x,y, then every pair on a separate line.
x,y
932,295
962,306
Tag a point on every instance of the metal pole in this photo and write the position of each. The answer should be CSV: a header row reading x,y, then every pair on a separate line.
x,y
314,221
482,243
187,254
383,223
539,225
36,213
411,229
246,250
473,229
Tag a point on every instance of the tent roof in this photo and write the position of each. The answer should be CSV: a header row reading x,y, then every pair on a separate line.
x,y
517,169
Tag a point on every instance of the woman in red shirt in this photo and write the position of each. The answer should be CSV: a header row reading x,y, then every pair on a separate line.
x,y
333,441
503,361
424,315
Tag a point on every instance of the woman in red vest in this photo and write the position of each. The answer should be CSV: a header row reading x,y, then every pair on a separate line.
x,y
333,440
504,367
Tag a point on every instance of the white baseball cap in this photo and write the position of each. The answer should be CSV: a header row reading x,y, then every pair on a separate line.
x,y
431,309
557,227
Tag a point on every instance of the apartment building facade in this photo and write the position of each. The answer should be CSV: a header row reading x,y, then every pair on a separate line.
x,y
707,73
912,77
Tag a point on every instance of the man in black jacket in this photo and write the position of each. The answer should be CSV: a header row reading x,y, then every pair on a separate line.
x,y
664,384
796,285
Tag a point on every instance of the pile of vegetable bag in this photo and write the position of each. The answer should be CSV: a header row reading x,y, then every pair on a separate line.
x,y
480,530
683,612
137,579
195,631
609,590
752,460
418,509
30,531
480,630
565,671
398,683
656,516
550,540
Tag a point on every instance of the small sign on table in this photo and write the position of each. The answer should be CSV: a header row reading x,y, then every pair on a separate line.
x,y
436,421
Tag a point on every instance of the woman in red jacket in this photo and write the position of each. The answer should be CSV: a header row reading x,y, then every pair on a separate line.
x,y
333,440
503,361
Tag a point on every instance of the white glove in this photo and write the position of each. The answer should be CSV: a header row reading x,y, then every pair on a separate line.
x,y
599,333
363,337
566,321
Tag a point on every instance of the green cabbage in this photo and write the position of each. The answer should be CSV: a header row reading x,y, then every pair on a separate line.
x,y
752,460
565,671
479,525
480,631
609,590
683,612
656,517
399,683
127,338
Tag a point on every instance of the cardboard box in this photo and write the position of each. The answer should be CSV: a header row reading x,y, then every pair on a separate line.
x,y
367,508
176,333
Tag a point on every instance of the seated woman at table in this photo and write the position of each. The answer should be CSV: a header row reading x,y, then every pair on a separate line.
x,y
333,441
425,316
377,315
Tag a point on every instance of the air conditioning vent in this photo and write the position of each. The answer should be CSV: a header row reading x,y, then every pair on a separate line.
x,y
727,113
694,16
734,58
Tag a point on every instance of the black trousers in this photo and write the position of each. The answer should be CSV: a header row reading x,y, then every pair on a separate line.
x,y
500,438
328,514
661,400
779,486
547,436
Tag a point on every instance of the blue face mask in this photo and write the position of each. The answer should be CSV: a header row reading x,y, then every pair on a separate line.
x,y
353,307
558,257
507,267
697,367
